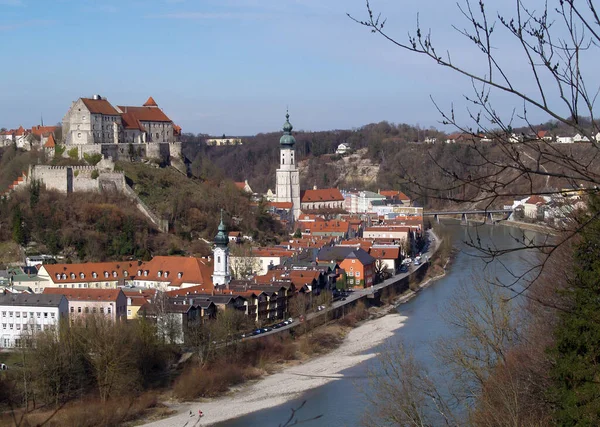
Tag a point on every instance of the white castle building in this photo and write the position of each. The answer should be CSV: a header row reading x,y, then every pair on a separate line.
x,y
96,121
288,176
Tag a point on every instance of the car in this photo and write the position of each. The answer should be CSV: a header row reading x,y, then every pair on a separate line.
x,y
281,324
290,321
267,329
344,299
256,331
3,367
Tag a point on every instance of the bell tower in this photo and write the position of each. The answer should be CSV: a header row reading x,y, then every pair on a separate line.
x,y
288,176
221,273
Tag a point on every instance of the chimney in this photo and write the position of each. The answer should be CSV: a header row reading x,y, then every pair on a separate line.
x,y
315,187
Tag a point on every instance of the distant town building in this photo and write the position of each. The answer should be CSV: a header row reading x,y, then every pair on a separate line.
x,y
223,141
221,273
110,303
322,198
22,315
343,149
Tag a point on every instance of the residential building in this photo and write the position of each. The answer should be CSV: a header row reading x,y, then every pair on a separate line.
x,y
534,207
333,228
22,315
388,232
366,199
168,273
244,186
96,275
136,298
396,196
322,198
288,176
357,263
343,149
110,303
223,141
258,261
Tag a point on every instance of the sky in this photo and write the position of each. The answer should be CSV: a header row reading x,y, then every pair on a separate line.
x,y
234,66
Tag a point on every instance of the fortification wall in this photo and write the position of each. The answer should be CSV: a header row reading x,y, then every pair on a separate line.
x,y
52,177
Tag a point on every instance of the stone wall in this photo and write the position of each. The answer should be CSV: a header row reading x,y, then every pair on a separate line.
x,y
68,179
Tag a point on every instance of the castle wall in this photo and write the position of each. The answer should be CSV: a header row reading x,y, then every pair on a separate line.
x,y
68,179
52,177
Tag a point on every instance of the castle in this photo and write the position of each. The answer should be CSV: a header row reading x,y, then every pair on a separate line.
x,y
94,125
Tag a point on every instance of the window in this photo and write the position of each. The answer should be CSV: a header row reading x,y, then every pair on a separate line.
x,y
94,275
106,274
78,309
108,310
79,135
18,327
38,327
45,315
4,326
102,310
4,313
17,314
25,315
87,309
139,272
129,312
159,273
72,309
72,275
94,310
38,314
125,273
25,327
358,274
31,314
52,315
115,274
10,313
10,326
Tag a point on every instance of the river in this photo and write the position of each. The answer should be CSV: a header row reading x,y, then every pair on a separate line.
x,y
341,403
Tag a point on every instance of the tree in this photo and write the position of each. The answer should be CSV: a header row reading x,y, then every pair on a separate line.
x,y
19,231
555,45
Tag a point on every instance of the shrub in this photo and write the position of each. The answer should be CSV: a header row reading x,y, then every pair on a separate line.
x,y
73,153
92,159
95,174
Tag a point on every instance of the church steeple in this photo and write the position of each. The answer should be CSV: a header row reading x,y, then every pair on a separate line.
x,y
221,274
287,139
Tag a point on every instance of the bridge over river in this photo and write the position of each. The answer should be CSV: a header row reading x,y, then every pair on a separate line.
x,y
501,214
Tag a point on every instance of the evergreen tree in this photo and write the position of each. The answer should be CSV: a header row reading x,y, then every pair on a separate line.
x,y
18,227
576,373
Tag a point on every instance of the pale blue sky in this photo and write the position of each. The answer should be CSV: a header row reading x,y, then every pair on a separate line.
x,y
230,66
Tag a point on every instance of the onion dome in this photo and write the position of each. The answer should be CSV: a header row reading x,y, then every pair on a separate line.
x,y
221,238
287,139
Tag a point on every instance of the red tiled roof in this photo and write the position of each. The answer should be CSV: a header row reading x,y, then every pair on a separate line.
x,y
86,294
321,195
50,143
130,121
193,270
327,226
20,131
534,200
40,130
541,134
150,103
176,129
240,185
394,194
146,114
385,253
100,106
88,269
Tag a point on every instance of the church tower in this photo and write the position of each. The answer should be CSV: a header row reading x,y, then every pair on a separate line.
x,y
221,275
288,176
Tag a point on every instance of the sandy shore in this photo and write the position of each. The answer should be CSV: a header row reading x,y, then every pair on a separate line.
x,y
281,387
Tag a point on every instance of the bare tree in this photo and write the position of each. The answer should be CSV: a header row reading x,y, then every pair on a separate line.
x,y
555,44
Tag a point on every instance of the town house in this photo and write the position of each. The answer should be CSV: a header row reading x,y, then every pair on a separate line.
x,y
110,303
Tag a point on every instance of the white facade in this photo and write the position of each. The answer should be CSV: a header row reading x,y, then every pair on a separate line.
x,y
221,273
365,200
20,320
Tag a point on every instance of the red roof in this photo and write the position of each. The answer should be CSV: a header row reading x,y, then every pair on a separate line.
x,y
150,103
50,143
40,130
20,131
534,200
394,194
240,185
130,121
321,195
146,114
326,226
385,253
100,106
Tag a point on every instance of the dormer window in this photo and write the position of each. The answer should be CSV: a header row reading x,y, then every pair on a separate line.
x,y
166,274
94,275
57,276
72,275
64,276
106,274
114,274
180,275
159,273
145,272
125,273
139,272
82,275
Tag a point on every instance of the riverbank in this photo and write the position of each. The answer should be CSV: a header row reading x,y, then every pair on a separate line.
x,y
290,383
528,226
